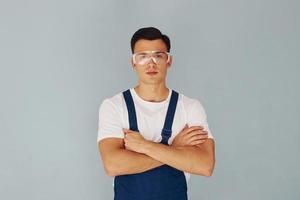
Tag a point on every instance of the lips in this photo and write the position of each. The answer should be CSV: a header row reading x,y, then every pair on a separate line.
x,y
152,73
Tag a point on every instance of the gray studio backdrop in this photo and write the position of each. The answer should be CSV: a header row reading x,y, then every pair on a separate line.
x,y
61,58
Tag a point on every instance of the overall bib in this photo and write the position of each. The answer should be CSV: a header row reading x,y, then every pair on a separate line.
x,y
161,183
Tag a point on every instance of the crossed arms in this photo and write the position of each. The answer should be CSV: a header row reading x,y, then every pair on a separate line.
x,y
191,151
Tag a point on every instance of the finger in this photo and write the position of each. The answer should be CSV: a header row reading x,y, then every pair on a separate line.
x,y
196,142
197,132
196,137
125,138
193,128
129,131
130,135
125,130
197,127
184,128
199,137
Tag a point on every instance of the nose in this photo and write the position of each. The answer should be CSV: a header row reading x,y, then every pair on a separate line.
x,y
151,65
151,61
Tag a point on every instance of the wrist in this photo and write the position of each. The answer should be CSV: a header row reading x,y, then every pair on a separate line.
x,y
147,147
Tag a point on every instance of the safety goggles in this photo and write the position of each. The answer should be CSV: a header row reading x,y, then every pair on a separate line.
x,y
158,57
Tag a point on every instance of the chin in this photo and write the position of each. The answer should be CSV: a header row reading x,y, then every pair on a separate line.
x,y
152,82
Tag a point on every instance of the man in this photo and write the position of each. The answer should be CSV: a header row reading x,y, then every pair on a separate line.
x,y
151,137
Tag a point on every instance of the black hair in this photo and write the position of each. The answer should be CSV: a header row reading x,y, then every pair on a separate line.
x,y
149,33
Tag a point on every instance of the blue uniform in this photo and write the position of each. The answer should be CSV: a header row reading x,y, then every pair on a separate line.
x,y
161,183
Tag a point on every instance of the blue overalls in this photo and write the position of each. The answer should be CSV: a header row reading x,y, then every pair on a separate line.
x,y
161,183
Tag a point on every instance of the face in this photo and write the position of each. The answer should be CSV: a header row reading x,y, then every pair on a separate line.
x,y
151,72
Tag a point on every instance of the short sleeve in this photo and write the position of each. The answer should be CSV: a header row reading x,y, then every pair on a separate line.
x,y
196,116
110,121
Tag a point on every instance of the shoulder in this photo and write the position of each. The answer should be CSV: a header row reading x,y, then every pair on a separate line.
x,y
114,102
189,103
192,106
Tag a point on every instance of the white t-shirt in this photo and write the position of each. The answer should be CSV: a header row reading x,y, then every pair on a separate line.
x,y
113,116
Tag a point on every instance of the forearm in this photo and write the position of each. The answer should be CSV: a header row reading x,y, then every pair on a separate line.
x,y
123,161
192,159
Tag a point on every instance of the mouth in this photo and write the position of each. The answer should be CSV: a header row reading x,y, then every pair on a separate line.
x,y
152,73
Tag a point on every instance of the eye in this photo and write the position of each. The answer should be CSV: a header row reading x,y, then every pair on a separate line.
x,y
159,55
141,56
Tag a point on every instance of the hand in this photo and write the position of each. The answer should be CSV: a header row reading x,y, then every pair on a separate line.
x,y
190,136
134,141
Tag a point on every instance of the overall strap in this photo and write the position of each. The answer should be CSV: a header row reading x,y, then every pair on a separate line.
x,y
131,110
167,129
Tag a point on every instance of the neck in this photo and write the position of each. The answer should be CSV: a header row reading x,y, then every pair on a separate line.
x,y
152,93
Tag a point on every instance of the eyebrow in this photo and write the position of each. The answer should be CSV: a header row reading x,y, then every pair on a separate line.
x,y
144,52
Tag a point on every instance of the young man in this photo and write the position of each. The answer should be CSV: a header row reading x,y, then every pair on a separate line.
x,y
151,137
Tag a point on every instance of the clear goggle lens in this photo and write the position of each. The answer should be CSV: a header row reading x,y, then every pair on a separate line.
x,y
158,57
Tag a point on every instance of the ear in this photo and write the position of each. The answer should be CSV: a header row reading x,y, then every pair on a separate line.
x,y
132,64
170,61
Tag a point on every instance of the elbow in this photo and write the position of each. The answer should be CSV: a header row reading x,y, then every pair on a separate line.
x,y
206,170
110,170
206,163
110,173
210,169
110,166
